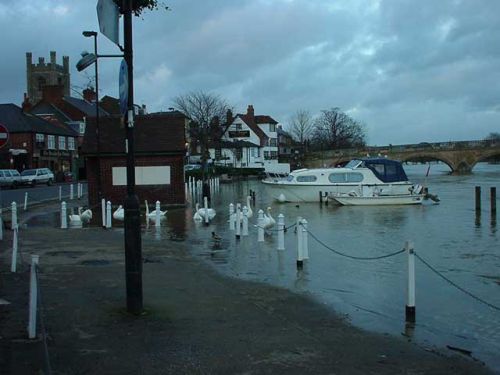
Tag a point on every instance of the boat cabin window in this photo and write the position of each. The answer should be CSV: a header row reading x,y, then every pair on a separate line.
x,y
354,164
337,178
289,178
306,178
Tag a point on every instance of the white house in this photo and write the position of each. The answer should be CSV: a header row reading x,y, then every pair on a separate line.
x,y
250,141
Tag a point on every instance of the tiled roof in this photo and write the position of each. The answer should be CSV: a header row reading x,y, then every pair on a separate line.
x,y
17,121
255,128
264,119
84,106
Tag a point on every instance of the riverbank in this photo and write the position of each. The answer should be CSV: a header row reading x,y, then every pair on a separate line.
x,y
196,321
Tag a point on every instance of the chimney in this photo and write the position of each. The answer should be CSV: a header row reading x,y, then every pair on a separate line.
x,y
89,95
250,112
229,117
26,106
52,93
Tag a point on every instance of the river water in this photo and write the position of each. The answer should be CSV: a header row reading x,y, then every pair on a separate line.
x,y
372,294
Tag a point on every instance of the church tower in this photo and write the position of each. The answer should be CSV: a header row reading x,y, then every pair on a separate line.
x,y
41,74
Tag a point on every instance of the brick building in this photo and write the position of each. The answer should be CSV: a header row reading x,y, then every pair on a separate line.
x,y
36,142
159,158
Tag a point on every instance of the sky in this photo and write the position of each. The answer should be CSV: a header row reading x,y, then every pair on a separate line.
x,y
409,71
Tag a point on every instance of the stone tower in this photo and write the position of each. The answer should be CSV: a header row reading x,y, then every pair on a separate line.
x,y
41,74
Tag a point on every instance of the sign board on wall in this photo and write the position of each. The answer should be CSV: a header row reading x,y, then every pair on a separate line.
x,y
143,176
4,135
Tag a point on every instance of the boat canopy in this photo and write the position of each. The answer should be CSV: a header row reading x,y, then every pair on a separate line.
x,y
386,170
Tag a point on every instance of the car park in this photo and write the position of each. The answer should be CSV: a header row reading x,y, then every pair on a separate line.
x,y
37,176
10,178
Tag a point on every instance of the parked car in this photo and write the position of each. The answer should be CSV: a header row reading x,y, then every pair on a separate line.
x,y
191,167
10,178
37,176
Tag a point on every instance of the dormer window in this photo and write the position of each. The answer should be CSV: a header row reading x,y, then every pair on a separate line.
x,y
272,127
237,126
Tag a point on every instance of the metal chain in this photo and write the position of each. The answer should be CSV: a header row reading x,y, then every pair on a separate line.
x,y
42,323
275,230
455,285
351,256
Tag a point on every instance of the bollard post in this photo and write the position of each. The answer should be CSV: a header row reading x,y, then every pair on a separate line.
x,y
320,198
238,221
305,243
33,298
244,230
478,199
103,212
410,305
64,216
71,192
108,215
300,256
1,225
157,222
205,206
326,198
260,225
13,264
60,193
79,190
232,217
493,201
253,198
281,232
25,201
13,208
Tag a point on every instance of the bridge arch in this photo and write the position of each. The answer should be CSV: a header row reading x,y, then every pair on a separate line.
x,y
420,155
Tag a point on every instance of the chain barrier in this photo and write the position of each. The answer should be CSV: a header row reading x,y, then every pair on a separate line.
x,y
275,230
455,285
42,323
352,256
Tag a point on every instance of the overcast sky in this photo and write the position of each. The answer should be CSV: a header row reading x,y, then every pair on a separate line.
x,y
411,71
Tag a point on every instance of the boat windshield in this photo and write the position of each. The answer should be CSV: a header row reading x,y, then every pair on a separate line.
x,y
354,163
289,178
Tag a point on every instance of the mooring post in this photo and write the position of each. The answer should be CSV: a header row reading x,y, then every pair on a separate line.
x,y
305,243
320,198
33,297
232,217
260,226
71,192
60,193
64,216
238,221
300,254
108,215
103,212
410,305
13,208
493,201
205,205
157,218
478,199
244,229
25,201
13,264
253,198
326,199
281,232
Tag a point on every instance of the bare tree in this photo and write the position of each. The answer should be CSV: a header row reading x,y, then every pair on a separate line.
x,y
301,125
205,111
335,129
493,136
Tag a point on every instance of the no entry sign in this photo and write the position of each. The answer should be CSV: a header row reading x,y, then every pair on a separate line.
x,y
4,135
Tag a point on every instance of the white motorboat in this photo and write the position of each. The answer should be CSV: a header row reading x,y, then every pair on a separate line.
x,y
384,176
376,200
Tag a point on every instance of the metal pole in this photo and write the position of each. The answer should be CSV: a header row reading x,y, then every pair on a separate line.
x,y
133,250
97,134
410,305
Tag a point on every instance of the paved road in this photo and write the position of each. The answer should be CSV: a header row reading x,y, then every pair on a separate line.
x,y
38,193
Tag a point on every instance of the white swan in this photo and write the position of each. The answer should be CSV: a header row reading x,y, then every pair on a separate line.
x,y
197,216
119,214
86,216
268,221
75,221
206,211
250,212
152,215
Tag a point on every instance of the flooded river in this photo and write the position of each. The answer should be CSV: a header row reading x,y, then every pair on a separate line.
x,y
372,294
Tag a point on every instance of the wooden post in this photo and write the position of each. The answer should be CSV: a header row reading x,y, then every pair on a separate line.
x,y
410,305
478,199
493,201
320,198
33,298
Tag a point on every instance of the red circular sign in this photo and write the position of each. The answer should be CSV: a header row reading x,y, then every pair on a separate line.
x,y
4,135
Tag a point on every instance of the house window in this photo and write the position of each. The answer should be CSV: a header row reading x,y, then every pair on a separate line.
x,y
237,126
62,143
51,142
274,154
40,138
272,127
71,143
218,154
273,142
266,155
82,128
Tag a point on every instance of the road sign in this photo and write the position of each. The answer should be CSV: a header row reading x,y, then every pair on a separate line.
x,y
4,135
123,81
107,14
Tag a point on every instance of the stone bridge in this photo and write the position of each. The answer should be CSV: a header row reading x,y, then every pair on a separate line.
x,y
461,157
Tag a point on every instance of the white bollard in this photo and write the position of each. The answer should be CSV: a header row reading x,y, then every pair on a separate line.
x,y
33,298
103,212
157,218
205,206
71,193
305,243
60,193
300,243
108,215
281,232
79,190
244,229
25,201
232,217
238,221
1,225
260,226
13,264
13,208
410,306
64,216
